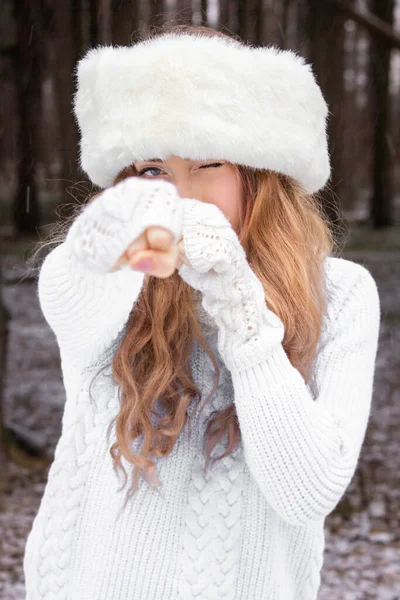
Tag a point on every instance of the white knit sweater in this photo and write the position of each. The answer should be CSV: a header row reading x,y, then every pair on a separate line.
x,y
252,526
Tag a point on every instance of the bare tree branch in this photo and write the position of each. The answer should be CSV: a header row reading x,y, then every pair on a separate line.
x,y
375,25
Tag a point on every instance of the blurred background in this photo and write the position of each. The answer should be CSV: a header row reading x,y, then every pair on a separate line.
x,y
354,49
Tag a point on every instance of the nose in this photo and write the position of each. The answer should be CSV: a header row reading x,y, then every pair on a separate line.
x,y
188,189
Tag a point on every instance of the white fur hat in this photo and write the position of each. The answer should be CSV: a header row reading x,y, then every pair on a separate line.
x,y
200,97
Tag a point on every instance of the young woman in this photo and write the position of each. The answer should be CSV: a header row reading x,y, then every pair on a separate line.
x,y
235,377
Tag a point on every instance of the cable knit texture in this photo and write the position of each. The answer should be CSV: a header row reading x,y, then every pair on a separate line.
x,y
251,527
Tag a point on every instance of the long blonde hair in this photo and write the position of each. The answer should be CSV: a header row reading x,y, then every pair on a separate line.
x,y
286,237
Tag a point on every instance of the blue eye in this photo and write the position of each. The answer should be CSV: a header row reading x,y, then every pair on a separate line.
x,y
148,169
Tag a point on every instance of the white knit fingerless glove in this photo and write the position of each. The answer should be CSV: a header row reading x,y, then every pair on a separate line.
x,y
114,219
232,293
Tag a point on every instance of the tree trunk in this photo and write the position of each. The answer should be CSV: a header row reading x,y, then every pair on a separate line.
x,y
381,203
100,22
224,14
285,23
66,55
8,96
271,25
105,21
183,11
301,38
4,318
157,13
240,20
125,22
253,21
326,33
204,14
26,215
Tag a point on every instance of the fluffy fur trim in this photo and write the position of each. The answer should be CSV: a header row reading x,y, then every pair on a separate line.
x,y
201,98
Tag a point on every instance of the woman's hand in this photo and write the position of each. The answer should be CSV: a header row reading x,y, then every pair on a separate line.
x,y
156,244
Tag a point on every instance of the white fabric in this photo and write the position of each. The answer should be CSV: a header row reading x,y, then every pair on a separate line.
x,y
252,526
200,98
232,293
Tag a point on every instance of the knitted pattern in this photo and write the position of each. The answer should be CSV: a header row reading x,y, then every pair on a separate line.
x,y
251,526
211,541
212,526
232,294
110,222
60,504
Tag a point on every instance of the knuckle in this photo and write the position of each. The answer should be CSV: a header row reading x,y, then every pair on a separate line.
x,y
159,234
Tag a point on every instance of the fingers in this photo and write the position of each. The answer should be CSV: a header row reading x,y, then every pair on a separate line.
x,y
159,238
163,261
138,244
155,237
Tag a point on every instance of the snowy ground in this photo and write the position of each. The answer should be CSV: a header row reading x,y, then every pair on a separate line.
x,y
362,554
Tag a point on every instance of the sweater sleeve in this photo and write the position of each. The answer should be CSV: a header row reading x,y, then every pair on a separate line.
x,y
86,310
83,300
302,451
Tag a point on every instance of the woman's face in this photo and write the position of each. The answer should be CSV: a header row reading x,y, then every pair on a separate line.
x,y
213,180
